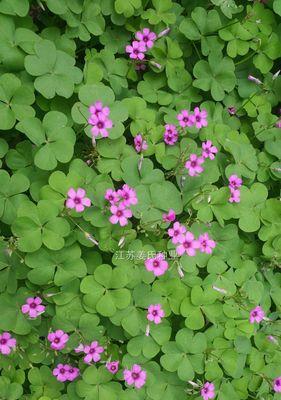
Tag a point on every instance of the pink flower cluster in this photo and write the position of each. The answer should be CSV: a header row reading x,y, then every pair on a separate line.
x,y
234,184
144,41
208,391
33,307
187,244
77,200
121,201
194,164
171,134
197,118
99,119
7,343
170,216
139,143
65,372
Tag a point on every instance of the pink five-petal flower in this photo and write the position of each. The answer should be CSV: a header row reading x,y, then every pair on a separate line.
x,y
136,50
58,339
277,384
93,352
7,343
170,216
155,313
193,165
234,196
185,119
135,376
206,244
208,150
127,195
256,315
200,118
139,143
61,372
176,232
208,391
96,109
33,307
234,182
170,134
112,367
77,200
100,125
158,265
73,373
147,37
120,214
111,196
187,245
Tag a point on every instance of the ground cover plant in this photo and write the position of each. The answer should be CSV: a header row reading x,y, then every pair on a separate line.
x,y
140,199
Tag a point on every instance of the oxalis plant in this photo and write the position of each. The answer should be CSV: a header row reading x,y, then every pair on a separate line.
x,y
140,199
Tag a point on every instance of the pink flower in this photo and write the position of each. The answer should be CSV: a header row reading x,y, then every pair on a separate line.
x,y
96,109
170,216
231,110
61,372
188,245
135,376
93,352
185,119
177,232
79,348
112,367
120,214
277,384
209,150
193,165
73,372
170,134
77,200
155,313
136,50
7,343
234,196
234,182
254,79
139,143
33,307
208,391
157,265
127,195
200,118
256,315
111,196
101,123
58,339
146,37
206,244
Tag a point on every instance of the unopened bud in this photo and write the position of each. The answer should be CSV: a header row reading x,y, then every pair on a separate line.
x,y
255,80
180,271
140,163
217,289
193,384
155,64
121,242
91,238
147,331
164,32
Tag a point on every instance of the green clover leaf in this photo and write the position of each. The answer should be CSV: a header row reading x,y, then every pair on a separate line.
x,y
54,139
217,75
54,70
37,225
15,101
